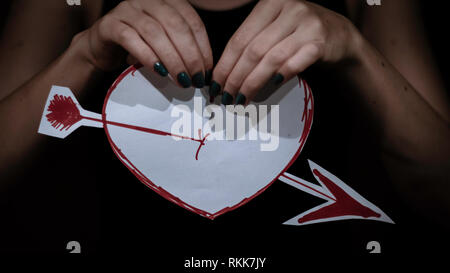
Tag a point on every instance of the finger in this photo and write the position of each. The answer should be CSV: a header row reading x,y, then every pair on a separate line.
x,y
126,37
281,28
180,34
154,35
307,55
199,31
261,16
131,60
266,70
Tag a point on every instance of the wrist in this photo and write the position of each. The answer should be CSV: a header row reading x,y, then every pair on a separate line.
x,y
78,52
359,49
74,69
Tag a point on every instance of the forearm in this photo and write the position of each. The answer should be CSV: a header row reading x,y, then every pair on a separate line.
x,y
408,126
415,139
21,111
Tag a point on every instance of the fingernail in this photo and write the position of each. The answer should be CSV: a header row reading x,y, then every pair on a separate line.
x,y
208,77
161,69
198,80
227,98
240,99
214,89
278,78
184,80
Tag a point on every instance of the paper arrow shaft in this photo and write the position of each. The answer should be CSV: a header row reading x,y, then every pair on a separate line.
x,y
140,128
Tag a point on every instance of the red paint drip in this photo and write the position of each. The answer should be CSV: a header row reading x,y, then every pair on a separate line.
x,y
135,67
344,205
63,112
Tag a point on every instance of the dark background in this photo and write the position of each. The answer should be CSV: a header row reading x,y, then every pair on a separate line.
x,y
64,193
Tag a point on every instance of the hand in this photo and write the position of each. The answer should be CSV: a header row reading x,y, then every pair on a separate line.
x,y
278,40
167,35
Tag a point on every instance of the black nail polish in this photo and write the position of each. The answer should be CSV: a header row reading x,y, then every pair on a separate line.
x,y
227,98
184,80
198,80
240,99
208,77
214,89
278,78
161,69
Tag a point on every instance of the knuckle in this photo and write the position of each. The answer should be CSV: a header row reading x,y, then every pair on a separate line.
x,y
150,28
209,63
176,23
302,11
171,59
255,52
251,85
104,25
318,26
233,83
147,56
124,5
315,50
123,34
290,67
306,9
296,7
220,74
131,3
197,26
238,42
194,64
144,56
277,57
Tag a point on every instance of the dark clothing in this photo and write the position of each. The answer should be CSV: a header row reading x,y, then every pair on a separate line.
x,y
80,191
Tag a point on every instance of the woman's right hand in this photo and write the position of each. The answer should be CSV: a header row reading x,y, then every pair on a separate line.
x,y
166,35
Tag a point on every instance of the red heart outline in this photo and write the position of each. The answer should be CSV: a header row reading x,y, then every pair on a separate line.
x,y
307,118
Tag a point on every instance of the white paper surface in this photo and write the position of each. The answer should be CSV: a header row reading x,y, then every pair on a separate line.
x,y
226,172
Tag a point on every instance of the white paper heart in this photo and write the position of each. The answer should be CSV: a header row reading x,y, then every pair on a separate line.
x,y
226,173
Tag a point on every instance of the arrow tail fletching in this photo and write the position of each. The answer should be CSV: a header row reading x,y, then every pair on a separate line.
x,y
63,114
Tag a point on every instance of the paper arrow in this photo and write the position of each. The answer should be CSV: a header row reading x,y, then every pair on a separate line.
x,y
342,201
63,114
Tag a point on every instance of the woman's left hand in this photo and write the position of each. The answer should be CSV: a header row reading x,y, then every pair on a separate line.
x,y
278,40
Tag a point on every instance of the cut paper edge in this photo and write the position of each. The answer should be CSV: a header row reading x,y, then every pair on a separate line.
x,y
343,202
63,127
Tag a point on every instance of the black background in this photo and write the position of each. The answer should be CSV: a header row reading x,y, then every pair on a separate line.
x,y
64,193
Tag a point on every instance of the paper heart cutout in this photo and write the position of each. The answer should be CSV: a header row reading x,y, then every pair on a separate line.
x,y
227,173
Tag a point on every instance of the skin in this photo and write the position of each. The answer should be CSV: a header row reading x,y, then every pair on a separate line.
x,y
381,52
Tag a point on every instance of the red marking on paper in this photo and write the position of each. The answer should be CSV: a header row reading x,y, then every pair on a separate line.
x,y
136,67
63,112
307,118
343,205
202,142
